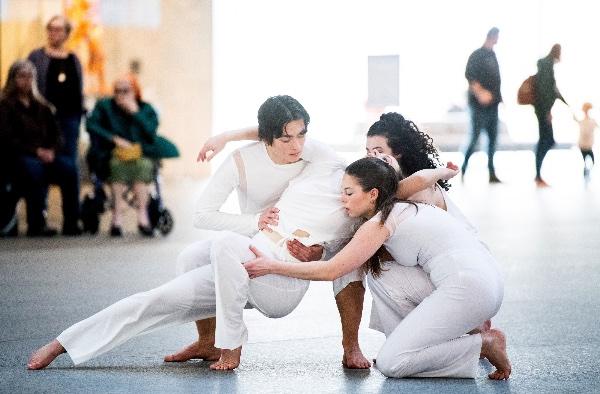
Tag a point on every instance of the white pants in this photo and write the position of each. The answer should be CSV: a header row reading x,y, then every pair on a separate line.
x,y
201,290
429,339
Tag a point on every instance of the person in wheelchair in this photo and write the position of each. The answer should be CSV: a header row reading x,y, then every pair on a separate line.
x,y
122,131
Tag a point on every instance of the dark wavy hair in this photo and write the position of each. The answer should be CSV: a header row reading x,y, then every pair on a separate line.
x,y
413,148
275,113
372,173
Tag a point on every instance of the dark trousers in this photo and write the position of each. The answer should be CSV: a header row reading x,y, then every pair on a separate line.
x,y
546,139
35,176
69,127
483,119
587,153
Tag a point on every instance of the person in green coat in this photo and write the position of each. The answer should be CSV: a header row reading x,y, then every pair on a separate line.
x,y
121,128
546,93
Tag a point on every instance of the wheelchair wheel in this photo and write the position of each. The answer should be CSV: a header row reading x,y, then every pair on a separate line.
x,y
165,222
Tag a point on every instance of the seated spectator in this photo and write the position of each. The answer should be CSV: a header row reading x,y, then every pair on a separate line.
x,y
28,124
120,128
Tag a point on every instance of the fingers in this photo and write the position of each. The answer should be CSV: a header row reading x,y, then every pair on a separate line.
x,y
256,252
452,166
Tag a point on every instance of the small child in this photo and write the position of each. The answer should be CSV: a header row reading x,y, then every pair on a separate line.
x,y
586,138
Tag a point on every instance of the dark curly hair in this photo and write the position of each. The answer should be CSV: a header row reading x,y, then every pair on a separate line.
x,y
413,148
275,113
372,173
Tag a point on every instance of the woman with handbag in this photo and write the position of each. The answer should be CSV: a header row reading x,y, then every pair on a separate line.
x,y
120,127
546,93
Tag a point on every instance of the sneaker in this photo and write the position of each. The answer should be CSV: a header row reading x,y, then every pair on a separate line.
x,y
72,231
41,232
494,179
115,231
146,231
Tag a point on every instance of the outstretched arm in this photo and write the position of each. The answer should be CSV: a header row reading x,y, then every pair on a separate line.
x,y
216,143
423,179
367,240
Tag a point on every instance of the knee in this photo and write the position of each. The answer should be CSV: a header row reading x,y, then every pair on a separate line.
x,y
394,364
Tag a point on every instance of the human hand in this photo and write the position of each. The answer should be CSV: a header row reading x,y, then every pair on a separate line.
x,y
211,147
451,166
260,266
391,160
483,96
304,253
450,171
269,217
45,155
121,142
127,102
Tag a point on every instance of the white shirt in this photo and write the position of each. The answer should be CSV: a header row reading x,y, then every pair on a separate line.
x,y
258,181
586,133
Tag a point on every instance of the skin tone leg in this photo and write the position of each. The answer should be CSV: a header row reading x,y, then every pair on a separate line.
x,y
140,191
42,357
204,348
120,204
350,304
493,347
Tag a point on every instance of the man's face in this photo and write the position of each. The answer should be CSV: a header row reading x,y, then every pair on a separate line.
x,y
57,32
494,39
288,148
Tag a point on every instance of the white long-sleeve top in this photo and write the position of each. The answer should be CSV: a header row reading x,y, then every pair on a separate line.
x,y
258,182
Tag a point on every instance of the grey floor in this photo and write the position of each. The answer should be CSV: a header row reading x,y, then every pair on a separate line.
x,y
547,242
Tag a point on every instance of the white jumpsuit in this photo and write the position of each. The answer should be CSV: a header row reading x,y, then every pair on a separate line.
x,y
467,289
213,282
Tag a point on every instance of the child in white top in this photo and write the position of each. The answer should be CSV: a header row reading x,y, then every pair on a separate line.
x,y
587,125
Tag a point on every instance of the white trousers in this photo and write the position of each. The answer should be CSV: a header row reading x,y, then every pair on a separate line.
x,y
211,282
425,326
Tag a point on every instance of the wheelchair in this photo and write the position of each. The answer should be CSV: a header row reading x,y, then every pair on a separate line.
x,y
95,203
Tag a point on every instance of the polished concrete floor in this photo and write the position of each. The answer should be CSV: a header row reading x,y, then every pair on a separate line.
x,y
546,240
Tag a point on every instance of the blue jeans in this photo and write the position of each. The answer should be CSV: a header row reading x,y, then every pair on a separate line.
x,y
35,176
69,127
483,118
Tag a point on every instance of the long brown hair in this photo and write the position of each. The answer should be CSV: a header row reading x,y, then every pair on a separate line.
x,y
373,173
10,90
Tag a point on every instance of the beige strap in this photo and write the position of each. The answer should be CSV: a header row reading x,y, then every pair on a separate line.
x,y
243,187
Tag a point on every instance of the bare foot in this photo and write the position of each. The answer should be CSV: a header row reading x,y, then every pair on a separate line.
x,y
197,350
42,357
354,359
230,359
494,349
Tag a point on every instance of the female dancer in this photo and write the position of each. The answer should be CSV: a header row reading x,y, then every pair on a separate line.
x,y
430,341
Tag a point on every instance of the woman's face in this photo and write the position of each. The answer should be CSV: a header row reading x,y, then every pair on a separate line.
x,y
379,144
288,148
356,202
23,80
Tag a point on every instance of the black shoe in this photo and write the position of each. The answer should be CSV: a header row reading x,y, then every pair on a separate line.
x,y
72,231
41,232
494,179
146,231
115,231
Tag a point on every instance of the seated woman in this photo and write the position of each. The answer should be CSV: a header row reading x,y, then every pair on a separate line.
x,y
431,340
310,210
28,126
120,128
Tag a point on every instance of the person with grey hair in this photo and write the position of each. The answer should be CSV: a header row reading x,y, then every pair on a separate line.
x,y
483,75
29,128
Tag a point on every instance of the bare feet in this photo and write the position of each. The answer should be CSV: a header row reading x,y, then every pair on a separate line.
x,y
197,350
230,359
354,359
42,357
494,349
539,182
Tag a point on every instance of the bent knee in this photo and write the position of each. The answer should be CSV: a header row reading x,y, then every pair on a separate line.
x,y
394,364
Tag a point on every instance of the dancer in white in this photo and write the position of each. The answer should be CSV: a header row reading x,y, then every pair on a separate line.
x,y
259,173
221,285
430,341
